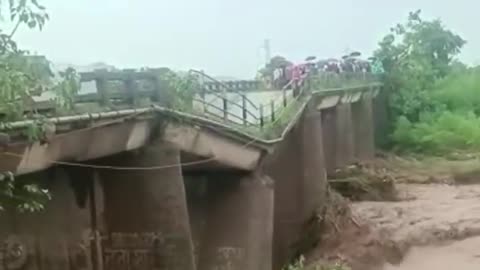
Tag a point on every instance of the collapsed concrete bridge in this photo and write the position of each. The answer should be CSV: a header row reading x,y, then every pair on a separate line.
x,y
224,185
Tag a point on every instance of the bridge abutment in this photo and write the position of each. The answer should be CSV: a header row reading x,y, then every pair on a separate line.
x,y
239,223
146,210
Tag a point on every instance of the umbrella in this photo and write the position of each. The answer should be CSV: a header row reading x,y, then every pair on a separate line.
x,y
355,54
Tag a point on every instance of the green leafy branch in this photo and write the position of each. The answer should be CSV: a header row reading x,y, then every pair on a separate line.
x,y
23,197
181,89
22,78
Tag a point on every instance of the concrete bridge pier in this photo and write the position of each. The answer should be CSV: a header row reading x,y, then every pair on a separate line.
x,y
329,137
345,136
363,129
298,169
338,136
56,238
239,229
146,212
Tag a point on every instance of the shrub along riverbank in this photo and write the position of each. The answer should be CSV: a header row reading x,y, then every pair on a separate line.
x,y
434,100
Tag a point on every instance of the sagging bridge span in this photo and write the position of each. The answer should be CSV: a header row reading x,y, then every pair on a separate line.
x,y
224,181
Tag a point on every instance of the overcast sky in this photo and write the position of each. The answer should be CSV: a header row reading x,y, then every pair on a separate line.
x,y
225,37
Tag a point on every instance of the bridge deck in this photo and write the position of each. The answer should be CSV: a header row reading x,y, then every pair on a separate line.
x,y
219,118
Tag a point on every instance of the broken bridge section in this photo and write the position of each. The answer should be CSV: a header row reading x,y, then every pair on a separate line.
x,y
155,188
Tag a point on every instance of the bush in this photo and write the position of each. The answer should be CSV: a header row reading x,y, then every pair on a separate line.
x,y
434,100
439,133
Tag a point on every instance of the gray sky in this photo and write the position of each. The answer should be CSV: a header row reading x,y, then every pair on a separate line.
x,y
224,37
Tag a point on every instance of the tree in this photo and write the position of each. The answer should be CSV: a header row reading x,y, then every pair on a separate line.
x,y
23,76
270,67
415,54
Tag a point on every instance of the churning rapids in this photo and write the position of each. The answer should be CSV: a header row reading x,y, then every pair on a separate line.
x,y
441,224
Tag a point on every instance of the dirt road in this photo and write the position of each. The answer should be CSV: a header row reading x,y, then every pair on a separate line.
x,y
440,222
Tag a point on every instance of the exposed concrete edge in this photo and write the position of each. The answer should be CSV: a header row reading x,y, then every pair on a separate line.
x,y
235,133
76,146
331,98
216,127
124,135
340,90
205,143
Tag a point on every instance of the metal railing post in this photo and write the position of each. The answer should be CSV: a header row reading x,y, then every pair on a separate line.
x,y
225,106
244,109
272,108
261,115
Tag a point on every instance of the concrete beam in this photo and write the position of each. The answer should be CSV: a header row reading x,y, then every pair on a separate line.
x,y
101,141
363,129
239,223
204,143
325,99
147,210
80,145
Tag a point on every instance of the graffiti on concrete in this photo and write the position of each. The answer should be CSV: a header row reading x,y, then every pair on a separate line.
x,y
134,240
13,253
228,258
79,255
132,251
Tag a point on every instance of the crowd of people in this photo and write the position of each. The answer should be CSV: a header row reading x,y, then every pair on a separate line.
x,y
291,75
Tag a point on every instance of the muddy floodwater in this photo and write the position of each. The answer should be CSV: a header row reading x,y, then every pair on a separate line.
x,y
461,255
439,223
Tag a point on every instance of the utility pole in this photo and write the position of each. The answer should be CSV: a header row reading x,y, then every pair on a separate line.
x,y
268,55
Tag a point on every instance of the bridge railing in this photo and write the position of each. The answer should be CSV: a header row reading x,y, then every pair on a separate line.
x,y
239,106
329,80
217,99
231,103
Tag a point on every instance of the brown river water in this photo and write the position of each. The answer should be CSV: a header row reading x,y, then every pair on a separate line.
x,y
459,255
440,222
